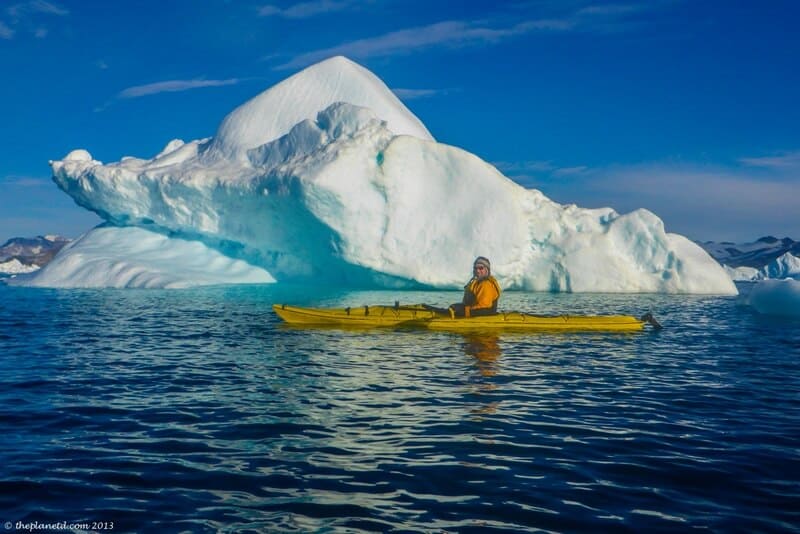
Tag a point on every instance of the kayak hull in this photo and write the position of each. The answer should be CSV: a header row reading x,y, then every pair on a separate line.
x,y
418,316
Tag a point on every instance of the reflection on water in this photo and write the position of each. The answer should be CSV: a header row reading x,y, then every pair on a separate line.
x,y
485,348
195,411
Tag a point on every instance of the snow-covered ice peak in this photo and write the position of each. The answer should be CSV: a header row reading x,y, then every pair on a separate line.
x,y
307,137
78,155
274,112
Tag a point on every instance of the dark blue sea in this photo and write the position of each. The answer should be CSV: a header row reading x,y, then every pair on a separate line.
x,y
197,411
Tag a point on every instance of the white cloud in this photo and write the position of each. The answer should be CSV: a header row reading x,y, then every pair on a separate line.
x,y
534,173
451,33
610,9
715,203
524,166
411,94
23,9
734,203
461,33
5,31
27,17
783,160
24,181
305,9
169,86
172,86
571,171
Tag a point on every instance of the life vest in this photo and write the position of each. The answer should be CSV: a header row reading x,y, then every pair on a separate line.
x,y
481,295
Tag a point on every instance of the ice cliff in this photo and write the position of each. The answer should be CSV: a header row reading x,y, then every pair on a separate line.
x,y
327,177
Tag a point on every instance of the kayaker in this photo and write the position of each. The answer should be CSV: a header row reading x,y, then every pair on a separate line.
x,y
480,294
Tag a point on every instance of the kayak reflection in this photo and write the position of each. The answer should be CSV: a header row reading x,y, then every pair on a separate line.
x,y
485,348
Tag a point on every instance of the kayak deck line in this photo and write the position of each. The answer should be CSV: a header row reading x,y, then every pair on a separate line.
x,y
422,316
364,316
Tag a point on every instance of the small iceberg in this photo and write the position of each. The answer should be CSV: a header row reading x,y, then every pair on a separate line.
x,y
775,297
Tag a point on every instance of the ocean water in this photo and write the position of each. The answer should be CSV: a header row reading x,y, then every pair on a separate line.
x,y
197,411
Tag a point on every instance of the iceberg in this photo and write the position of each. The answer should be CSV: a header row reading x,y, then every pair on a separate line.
x,y
786,266
133,257
775,297
14,267
328,178
741,274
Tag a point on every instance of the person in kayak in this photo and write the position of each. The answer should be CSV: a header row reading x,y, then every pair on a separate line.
x,y
480,294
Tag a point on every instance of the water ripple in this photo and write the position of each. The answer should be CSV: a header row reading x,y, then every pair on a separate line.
x,y
196,411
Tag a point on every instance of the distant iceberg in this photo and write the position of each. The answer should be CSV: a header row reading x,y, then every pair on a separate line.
x,y
775,297
14,267
328,178
785,266
776,287
741,274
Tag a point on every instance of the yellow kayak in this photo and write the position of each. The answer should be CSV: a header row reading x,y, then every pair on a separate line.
x,y
422,316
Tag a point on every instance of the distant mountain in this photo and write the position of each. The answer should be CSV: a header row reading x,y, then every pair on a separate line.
x,y
756,254
23,254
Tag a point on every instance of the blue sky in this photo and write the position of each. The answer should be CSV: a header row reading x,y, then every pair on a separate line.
x,y
688,108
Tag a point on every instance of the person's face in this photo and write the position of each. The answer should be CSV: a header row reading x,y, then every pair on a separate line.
x,y
480,271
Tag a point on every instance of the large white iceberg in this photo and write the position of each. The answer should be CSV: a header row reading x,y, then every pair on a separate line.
x,y
327,177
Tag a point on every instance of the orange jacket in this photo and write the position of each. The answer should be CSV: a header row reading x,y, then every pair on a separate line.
x,y
481,295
